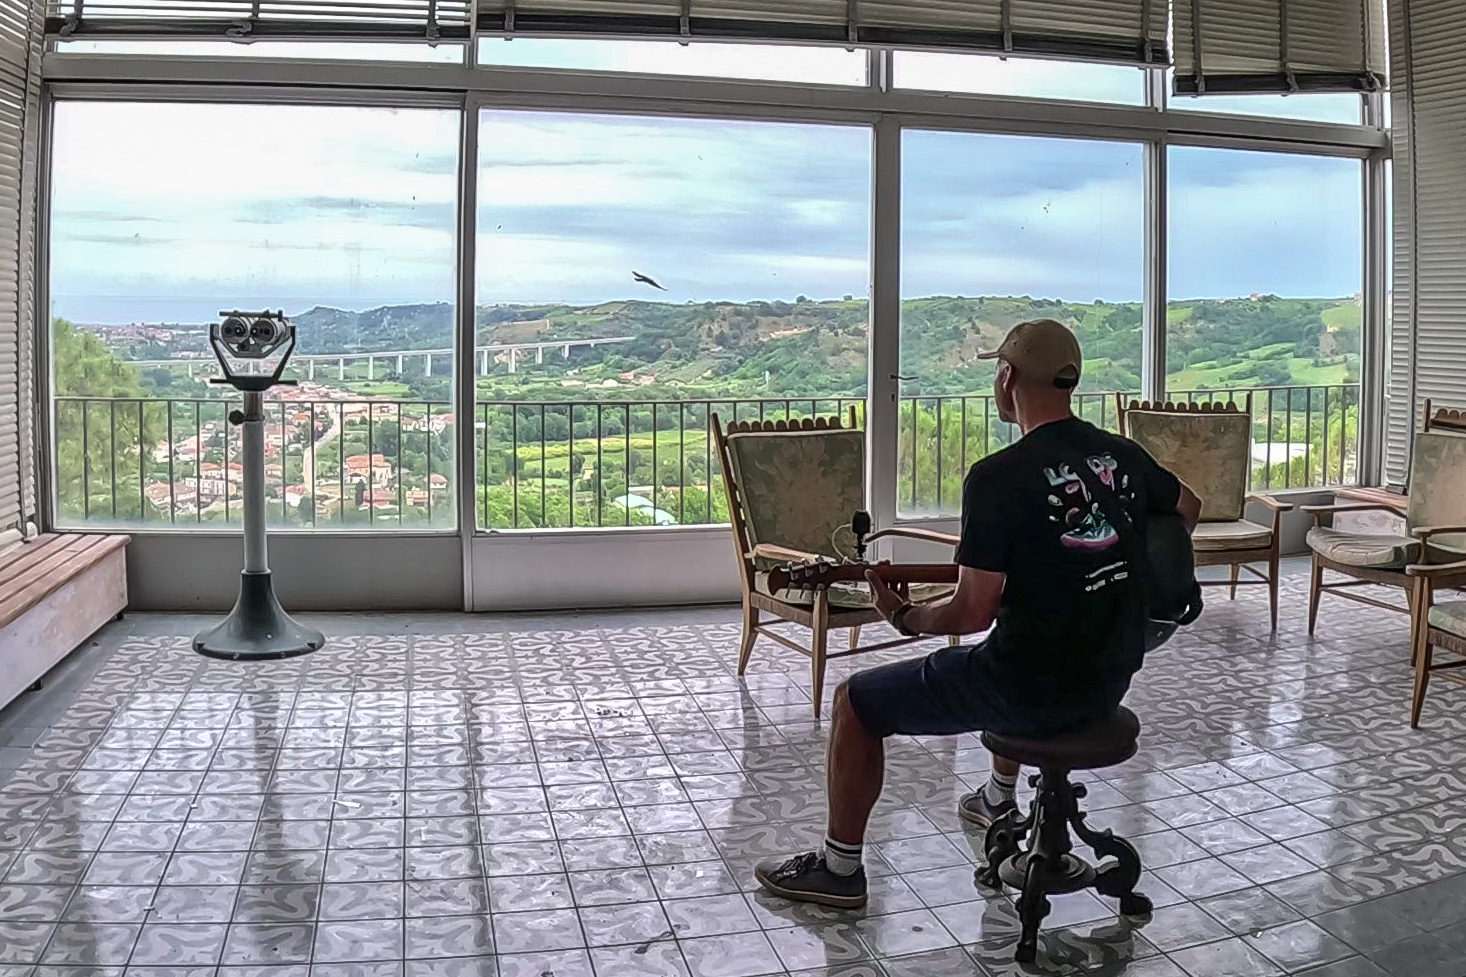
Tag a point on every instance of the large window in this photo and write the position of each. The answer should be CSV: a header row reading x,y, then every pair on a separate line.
x,y
165,214
640,263
996,230
1266,286
636,276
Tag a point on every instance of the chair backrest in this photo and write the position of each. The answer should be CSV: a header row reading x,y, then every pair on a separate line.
x,y
1207,446
1443,419
1438,483
795,484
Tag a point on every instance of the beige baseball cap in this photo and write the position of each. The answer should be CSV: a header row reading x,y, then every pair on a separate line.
x,y
1043,349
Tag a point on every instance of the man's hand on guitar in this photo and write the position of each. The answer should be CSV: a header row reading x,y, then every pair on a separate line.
x,y
886,600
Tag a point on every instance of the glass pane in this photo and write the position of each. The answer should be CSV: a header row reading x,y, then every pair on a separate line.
x,y
165,214
1306,106
445,53
637,275
1027,77
756,62
1266,274
996,230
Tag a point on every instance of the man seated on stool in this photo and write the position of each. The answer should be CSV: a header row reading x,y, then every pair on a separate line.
x,y
1037,559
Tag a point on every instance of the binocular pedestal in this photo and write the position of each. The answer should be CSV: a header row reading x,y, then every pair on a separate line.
x,y
258,628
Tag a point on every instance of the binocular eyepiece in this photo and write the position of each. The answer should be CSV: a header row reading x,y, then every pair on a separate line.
x,y
252,336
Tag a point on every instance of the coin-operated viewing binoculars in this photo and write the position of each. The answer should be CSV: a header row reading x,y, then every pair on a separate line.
x,y
252,349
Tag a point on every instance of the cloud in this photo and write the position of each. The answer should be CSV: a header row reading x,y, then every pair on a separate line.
x,y
356,206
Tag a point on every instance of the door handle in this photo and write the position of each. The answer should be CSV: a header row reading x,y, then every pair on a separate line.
x,y
902,376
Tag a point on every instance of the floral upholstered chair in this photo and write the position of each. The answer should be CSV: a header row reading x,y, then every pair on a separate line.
x,y
793,487
1435,525
1209,447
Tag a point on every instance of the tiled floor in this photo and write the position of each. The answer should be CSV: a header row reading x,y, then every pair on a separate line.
x,y
580,795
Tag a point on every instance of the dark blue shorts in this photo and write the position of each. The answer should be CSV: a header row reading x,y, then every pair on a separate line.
x,y
956,690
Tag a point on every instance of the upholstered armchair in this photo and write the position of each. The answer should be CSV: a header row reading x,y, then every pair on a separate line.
x,y
792,489
1435,526
1436,626
1209,447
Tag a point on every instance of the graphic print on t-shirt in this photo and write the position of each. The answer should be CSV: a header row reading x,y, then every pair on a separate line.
x,y
1084,522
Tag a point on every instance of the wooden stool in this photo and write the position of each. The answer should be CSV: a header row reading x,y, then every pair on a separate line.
x,y
1048,865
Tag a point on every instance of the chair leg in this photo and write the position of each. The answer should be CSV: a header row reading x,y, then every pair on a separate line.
x,y
1315,590
750,635
1422,677
1272,587
855,637
818,647
1235,569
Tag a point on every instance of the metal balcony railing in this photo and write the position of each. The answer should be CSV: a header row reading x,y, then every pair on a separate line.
x,y
389,464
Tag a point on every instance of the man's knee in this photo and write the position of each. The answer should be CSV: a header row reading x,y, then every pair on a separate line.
x,y
843,710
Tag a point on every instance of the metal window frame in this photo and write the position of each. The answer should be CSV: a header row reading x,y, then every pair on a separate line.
x,y
886,111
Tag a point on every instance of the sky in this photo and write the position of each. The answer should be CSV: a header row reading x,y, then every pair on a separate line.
x,y
172,212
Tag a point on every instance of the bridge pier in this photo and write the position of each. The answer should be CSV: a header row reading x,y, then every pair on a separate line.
x,y
399,364
539,355
427,365
565,351
371,367
513,359
483,363
341,368
310,369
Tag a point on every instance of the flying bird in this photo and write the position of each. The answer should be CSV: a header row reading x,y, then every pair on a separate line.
x,y
639,277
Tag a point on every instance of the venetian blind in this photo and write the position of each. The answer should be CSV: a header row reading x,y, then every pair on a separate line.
x,y
20,56
1232,46
1428,332
244,19
1127,31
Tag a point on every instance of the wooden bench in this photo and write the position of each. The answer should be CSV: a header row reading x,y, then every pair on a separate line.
x,y
55,592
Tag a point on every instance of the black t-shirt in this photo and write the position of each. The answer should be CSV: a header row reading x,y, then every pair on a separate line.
x,y
1067,637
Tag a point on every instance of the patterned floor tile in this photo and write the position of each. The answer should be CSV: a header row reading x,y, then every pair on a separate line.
x,y
586,795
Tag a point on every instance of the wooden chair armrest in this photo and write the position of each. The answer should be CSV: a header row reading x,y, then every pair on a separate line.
x,y
1276,505
1440,574
925,535
772,551
1425,532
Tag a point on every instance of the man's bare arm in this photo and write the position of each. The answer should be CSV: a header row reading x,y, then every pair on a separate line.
x,y
1189,507
971,609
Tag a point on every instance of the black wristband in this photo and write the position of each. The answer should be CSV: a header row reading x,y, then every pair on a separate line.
x,y
898,620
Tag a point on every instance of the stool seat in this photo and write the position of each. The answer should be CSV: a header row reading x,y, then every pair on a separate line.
x,y
1110,741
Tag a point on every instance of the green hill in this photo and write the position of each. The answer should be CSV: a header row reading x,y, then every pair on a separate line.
x,y
818,348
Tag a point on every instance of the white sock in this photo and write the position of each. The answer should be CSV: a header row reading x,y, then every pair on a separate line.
x,y
1000,788
840,858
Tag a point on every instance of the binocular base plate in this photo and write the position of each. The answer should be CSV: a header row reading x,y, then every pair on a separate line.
x,y
258,629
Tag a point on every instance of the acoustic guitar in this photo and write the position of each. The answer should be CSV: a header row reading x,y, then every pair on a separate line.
x,y
823,573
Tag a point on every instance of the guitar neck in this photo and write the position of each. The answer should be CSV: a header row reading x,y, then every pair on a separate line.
x,y
892,574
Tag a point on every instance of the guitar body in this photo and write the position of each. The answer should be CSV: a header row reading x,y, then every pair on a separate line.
x,y
811,576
